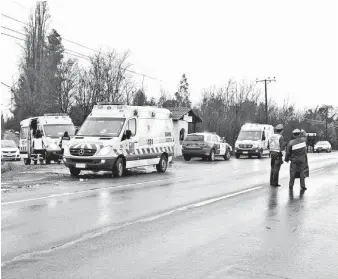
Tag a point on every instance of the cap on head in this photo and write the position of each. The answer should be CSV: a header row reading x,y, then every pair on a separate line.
x,y
279,127
296,131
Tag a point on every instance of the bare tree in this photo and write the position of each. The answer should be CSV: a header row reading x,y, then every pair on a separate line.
x,y
107,73
69,81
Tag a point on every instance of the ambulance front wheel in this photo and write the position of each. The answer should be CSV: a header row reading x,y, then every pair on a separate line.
x,y
163,164
119,168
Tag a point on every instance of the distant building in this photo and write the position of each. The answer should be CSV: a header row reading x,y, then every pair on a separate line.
x,y
185,121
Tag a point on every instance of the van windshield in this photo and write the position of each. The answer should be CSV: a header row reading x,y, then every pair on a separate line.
x,y
194,138
101,127
57,130
250,135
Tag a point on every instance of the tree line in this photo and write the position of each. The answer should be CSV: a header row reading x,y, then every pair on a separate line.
x,y
49,82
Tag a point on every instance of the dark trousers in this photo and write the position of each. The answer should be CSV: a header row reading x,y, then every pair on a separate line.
x,y
276,162
294,170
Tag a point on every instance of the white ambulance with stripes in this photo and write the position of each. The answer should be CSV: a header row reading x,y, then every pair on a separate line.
x,y
52,126
117,137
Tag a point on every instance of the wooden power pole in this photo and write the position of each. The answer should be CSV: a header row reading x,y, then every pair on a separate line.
x,y
266,95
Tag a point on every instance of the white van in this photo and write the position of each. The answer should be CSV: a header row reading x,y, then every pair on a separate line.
x,y
117,137
253,140
52,127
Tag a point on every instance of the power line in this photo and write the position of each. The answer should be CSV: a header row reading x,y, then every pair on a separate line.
x,y
21,5
4,84
4,27
78,53
12,18
79,56
12,36
70,41
75,43
144,75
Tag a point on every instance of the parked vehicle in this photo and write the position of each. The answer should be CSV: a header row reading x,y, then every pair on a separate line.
x,y
9,150
117,137
205,146
322,146
253,140
52,127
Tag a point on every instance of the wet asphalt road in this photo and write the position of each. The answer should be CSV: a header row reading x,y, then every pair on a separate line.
x,y
199,220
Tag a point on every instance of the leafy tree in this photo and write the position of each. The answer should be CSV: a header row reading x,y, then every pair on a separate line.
x,y
140,98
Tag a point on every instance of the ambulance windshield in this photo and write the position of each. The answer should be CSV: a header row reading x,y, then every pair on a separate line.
x,y
101,127
249,135
57,130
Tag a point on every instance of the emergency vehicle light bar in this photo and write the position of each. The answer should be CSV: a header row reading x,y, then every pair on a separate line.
x,y
55,114
109,103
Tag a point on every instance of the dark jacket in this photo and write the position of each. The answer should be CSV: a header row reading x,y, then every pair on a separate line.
x,y
296,153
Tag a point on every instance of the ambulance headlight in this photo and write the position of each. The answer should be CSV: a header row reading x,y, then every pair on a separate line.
x,y
104,151
236,145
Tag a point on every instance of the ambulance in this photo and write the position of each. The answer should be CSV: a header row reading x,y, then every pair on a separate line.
x,y
52,127
253,140
117,137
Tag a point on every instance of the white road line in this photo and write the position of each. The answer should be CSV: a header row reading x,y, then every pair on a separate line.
x,y
320,169
199,204
85,191
142,220
110,187
103,188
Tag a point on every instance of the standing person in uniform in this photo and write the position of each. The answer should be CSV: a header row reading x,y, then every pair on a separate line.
x,y
303,137
39,144
64,139
276,145
296,153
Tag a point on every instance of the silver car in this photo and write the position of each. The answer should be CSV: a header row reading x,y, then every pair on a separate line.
x,y
10,150
322,146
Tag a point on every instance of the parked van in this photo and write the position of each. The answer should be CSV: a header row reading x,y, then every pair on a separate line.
x,y
117,137
253,140
52,127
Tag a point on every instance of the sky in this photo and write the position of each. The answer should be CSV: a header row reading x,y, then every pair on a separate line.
x,y
209,41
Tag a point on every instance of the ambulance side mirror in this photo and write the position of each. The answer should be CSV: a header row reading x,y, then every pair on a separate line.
x,y
263,137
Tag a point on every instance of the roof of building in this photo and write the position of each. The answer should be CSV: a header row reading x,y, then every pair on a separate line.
x,y
179,112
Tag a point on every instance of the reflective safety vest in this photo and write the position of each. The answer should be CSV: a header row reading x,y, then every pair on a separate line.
x,y
274,143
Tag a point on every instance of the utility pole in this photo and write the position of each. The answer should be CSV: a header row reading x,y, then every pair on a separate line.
x,y
266,95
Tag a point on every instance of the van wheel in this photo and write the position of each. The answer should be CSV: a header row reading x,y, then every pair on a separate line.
x,y
187,158
163,164
237,156
212,155
47,159
227,155
260,154
27,162
74,172
119,169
